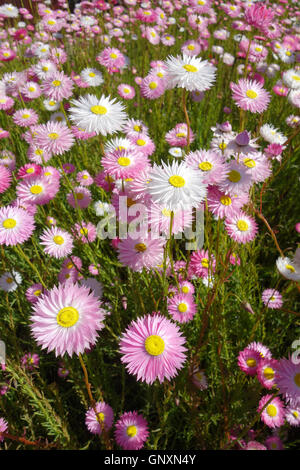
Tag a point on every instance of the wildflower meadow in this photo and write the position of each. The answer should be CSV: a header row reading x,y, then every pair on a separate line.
x,y
149,225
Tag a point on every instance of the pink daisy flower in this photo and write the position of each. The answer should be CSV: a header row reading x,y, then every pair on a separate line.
x,y
186,287
84,178
111,58
152,87
85,232
57,86
182,307
254,445
143,143
274,443
264,352
201,264
104,413
146,15
37,189
259,16
134,127
266,372
273,414
124,163
33,292
250,95
38,155
257,165
67,319
28,170
141,253
191,48
213,166
30,361
127,92
152,348
159,219
105,181
5,179
31,90
25,117
222,205
287,379
199,379
54,137
82,134
57,242
4,134
177,137
6,102
3,428
82,195
241,227
16,225
131,431
272,298
248,361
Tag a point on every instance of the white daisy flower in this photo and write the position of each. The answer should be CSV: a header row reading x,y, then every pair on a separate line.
x,y
190,73
101,115
10,281
101,208
286,56
91,76
44,68
272,135
51,105
176,186
288,269
58,117
9,11
176,152
42,51
291,78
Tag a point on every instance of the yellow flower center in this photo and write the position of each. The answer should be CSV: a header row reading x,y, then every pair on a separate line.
x,y
140,247
242,225
251,94
67,317
101,416
9,280
190,68
113,55
6,54
84,231
271,410
205,166
269,373
52,103
92,74
234,176
166,212
26,116
36,189
37,292
53,136
204,262
69,265
137,128
30,170
251,362
290,268
296,77
296,414
182,308
56,83
288,53
130,202
225,200
249,163
126,90
258,49
79,196
152,85
222,146
177,181
297,379
154,345
124,161
181,134
58,240
85,177
160,74
185,289
140,142
131,431
191,47
51,22
97,109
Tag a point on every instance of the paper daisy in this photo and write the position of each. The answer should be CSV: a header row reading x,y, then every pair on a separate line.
x,y
9,282
92,76
182,307
190,73
105,415
250,95
101,115
288,269
57,242
66,319
287,379
152,348
131,431
16,225
176,186
273,414
241,227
